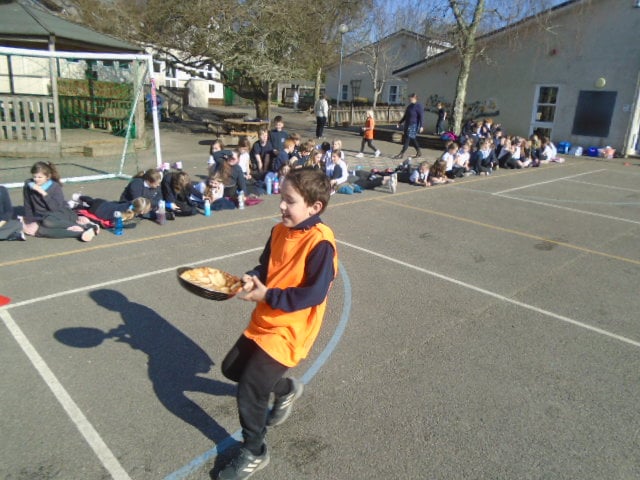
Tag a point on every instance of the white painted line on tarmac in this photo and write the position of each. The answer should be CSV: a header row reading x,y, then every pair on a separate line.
x,y
126,279
92,437
570,209
548,181
81,422
601,185
497,296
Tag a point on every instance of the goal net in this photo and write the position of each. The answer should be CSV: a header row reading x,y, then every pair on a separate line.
x,y
84,112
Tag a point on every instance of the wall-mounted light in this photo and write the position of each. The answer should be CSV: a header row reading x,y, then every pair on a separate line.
x,y
600,82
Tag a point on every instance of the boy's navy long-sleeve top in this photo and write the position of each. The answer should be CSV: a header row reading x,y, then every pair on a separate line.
x,y
319,273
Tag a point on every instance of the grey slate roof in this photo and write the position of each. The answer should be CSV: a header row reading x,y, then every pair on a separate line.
x,y
29,26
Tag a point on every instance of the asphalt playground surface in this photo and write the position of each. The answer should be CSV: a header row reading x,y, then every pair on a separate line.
x,y
485,329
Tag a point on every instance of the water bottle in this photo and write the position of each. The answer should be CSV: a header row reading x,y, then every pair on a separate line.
x,y
207,208
276,186
161,213
119,224
241,200
269,184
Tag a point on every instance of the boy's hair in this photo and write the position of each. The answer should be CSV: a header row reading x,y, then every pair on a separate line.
x,y
244,143
313,185
295,136
338,153
289,143
325,146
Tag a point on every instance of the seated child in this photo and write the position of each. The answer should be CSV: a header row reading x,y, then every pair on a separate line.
x,y
420,176
46,214
212,189
176,191
102,210
438,173
10,229
336,169
244,157
261,153
144,184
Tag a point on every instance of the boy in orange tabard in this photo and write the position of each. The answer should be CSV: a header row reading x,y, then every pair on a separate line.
x,y
290,288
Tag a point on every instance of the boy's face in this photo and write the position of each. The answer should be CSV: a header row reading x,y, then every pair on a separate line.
x,y
279,125
293,207
264,136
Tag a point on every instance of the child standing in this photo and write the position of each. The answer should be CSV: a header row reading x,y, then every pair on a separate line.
x,y
442,115
289,287
367,136
278,135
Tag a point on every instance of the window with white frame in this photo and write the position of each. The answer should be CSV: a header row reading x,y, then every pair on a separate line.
x,y
394,94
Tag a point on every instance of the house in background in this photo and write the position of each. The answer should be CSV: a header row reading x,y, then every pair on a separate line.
x,y
572,74
204,87
392,52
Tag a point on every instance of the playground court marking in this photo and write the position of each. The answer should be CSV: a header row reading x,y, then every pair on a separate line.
x,y
102,451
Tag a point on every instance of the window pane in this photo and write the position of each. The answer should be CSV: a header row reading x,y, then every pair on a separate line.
x,y
548,95
545,113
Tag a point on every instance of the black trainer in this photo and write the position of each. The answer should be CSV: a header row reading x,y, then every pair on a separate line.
x,y
282,405
244,465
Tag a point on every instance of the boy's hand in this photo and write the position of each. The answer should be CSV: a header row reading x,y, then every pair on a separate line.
x,y
247,283
256,290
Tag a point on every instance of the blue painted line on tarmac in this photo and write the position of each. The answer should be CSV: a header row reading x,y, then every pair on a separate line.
x,y
230,441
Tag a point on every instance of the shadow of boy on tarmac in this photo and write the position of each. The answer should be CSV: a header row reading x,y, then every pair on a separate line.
x,y
174,360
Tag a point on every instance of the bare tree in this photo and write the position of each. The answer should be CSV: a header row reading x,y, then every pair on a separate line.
x,y
471,19
252,43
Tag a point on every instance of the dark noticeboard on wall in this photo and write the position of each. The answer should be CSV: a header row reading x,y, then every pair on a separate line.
x,y
593,113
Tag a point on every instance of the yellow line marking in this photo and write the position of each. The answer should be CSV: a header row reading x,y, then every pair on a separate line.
x,y
138,240
349,202
515,232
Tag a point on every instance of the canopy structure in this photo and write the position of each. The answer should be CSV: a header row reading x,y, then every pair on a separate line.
x,y
26,25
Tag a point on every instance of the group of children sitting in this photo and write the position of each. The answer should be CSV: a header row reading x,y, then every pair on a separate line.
x,y
155,194
250,171
164,194
481,152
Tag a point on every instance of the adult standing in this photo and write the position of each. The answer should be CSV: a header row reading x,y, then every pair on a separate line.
x,y
296,98
321,109
412,121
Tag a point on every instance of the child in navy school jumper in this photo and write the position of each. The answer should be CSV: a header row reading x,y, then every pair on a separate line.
x,y
278,135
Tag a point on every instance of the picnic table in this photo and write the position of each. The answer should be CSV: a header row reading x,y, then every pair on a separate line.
x,y
240,127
